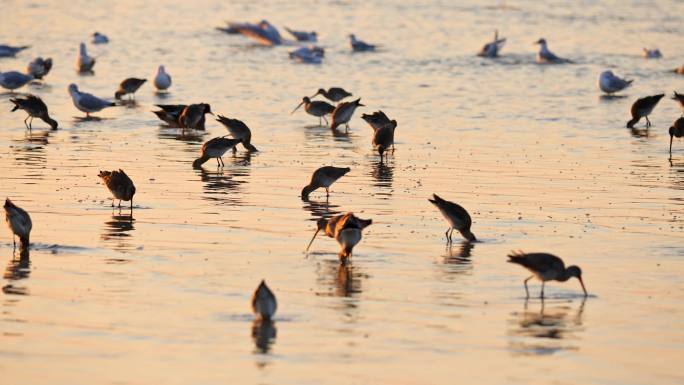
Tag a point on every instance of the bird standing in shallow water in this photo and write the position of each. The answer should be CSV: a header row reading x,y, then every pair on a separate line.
x,y
238,130
545,56
345,228
334,94
215,148
193,116
84,63
119,184
457,217
383,135
264,302
129,86
39,67
610,83
163,80
343,113
642,108
317,108
324,177
87,102
19,222
676,130
35,108
546,267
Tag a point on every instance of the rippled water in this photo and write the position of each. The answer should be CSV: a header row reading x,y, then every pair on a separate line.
x,y
538,158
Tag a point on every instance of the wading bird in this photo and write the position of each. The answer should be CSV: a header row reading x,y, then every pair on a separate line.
x,y
264,302
324,177
19,222
642,108
317,108
119,184
238,130
129,86
457,217
215,148
546,267
343,113
35,108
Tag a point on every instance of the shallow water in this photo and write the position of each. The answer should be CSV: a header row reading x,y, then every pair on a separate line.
x,y
538,158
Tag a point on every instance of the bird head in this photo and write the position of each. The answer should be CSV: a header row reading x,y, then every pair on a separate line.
x,y
575,271
541,41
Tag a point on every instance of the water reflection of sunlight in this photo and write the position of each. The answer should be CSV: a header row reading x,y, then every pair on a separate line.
x,y
118,231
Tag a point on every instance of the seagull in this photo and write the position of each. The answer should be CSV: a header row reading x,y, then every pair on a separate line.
x,y
129,86
39,67
652,53
99,38
457,217
334,94
238,130
316,108
303,36
14,79
680,98
163,80
87,102
546,267
8,50
642,108
610,83
215,148
676,130
324,177
343,113
84,63
546,56
264,33
264,302
19,222
119,184
491,50
232,28
309,55
35,108
360,46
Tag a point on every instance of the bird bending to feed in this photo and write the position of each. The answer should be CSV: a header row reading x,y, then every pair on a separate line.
x,y
192,116
457,217
129,86
238,130
39,67
334,94
303,35
610,83
8,50
215,148
345,228
360,46
119,184
264,302
491,49
546,267
324,177
652,53
35,108
84,63
316,108
87,102
99,38
679,98
264,32
376,120
310,55
12,80
642,108
545,56
163,80
676,130
343,113
383,137
170,113
19,222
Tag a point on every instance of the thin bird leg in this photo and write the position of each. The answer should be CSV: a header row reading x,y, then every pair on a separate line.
x,y
327,192
542,291
119,203
671,136
131,204
326,120
234,150
113,202
31,123
26,124
346,126
218,163
14,240
446,234
319,121
527,292
648,122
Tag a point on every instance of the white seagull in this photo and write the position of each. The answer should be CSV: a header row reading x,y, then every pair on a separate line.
x,y
163,80
609,83
86,102
13,80
492,49
84,63
546,56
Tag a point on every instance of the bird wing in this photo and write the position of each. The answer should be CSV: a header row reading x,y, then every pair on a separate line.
x,y
92,102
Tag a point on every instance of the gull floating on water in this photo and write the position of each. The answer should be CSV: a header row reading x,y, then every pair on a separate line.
x,y
303,36
264,32
642,108
99,38
35,108
129,86
8,50
360,46
39,67
87,102
84,63
12,80
609,83
163,80
545,56
652,53
491,49
309,55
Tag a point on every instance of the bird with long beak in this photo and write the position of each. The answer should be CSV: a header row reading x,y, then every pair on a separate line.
x,y
642,108
334,94
383,138
19,222
324,177
119,184
35,108
457,217
264,302
345,228
238,130
215,148
317,108
676,130
343,113
129,86
546,267
193,116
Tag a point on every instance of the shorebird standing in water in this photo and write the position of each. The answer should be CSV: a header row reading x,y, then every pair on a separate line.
x,y
87,102
264,302
39,67
238,130
35,108
170,113
545,56
162,81
215,148
642,108
12,80
334,94
491,50
193,116
324,177
119,184
317,108
19,222
457,217
84,63
383,138
679,98
546,267
360,46
129,86
343,113
345,228
609,83
676,130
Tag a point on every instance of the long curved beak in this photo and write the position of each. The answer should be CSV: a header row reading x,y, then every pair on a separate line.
x,y
299,105
314,95
312,239
583,288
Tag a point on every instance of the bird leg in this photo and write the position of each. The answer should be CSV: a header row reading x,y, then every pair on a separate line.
x,y
26,124
319,121
527,292
671,137
542,291
119,203
648,122
346,125
31,123
326,120
327,192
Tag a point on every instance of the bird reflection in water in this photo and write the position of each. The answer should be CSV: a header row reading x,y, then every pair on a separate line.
x,y
320,209
264,335
175,133
457,259
118,230
341,280
383,174
541,332
221,185
16,270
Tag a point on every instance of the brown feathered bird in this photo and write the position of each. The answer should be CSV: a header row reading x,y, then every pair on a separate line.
x,y
119,184
457,217
35,108
546,267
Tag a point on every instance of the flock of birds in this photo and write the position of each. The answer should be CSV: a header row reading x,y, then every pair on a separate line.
x,y
346,228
